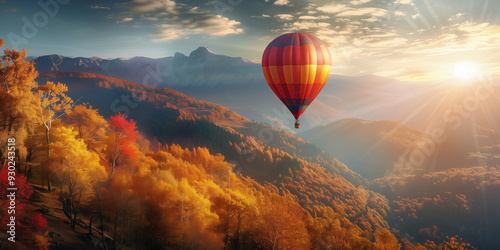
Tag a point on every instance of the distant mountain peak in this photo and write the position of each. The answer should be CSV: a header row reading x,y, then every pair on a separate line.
x,y
53,56
201,52
179,54
204,50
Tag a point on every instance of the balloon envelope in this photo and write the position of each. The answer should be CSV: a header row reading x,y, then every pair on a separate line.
x,y
296,67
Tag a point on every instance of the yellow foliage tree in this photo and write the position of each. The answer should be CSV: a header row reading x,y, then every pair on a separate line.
x,y
76,167
89,124
53,104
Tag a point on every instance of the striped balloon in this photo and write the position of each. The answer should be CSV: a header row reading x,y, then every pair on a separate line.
x,y
296,67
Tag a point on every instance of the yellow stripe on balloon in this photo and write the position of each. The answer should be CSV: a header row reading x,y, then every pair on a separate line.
x,y
288,72
312,74
326,55
324,73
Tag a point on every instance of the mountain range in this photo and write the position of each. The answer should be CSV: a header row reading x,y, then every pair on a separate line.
x,y
239,85
202,68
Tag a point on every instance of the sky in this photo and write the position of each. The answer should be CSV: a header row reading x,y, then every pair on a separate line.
x,y
404,39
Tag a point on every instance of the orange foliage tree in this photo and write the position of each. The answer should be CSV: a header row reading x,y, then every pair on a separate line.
x,y
18,114
280,222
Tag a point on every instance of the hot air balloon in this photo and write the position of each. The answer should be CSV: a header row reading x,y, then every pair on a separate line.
x,y
296,67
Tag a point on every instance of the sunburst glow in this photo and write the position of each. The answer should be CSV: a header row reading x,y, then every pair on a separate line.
x,y
467,71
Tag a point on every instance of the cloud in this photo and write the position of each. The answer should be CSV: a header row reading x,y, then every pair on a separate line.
x,y
408,2
281,2
359,2
262,16
399,13
212,25
332,8
286,17
144,6
100,7
177,21
363,12
306,25
313,17
125,19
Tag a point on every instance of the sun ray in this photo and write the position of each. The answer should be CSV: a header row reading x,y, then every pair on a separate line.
x,y
490,124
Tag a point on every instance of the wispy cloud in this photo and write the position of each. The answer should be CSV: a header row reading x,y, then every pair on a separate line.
x,y
146,6
212,25
359,2
282,2
262,16
313,17
286,17
99,7
333,8
177,20
125,19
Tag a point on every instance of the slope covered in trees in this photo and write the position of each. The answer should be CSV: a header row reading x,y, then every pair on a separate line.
x,y
184,181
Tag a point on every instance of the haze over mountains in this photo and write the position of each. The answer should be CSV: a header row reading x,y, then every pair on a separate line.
x,y
202,68
235,83
239,84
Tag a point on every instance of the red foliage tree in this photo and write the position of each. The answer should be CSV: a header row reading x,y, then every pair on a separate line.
x,y
123,138
38,223
26,226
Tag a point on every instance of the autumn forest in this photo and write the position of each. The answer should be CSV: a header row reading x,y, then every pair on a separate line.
x,y
120,184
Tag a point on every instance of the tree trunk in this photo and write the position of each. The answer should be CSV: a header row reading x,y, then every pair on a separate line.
x,y
116,222
237,239
73,221
72,212
49,184
90,225
103,238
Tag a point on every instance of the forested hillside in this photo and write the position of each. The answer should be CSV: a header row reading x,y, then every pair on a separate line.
x,y
171,172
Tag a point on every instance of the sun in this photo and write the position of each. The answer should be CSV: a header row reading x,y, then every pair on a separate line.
x,y
467,71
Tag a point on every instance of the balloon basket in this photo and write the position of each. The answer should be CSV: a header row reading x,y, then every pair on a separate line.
x,y
297,124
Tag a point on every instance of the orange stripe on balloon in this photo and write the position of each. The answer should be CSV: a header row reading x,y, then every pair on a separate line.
x,y
267,75
288,73
274,74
